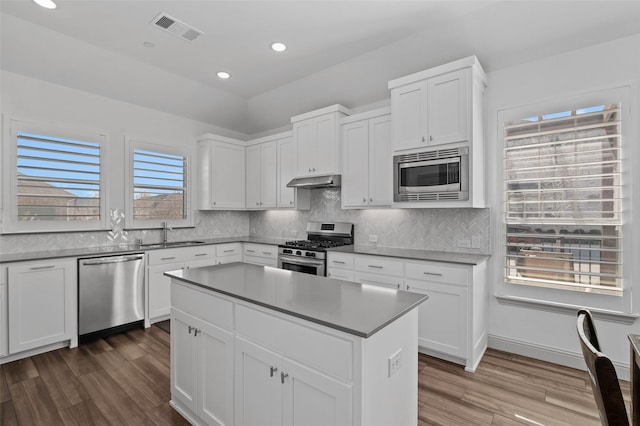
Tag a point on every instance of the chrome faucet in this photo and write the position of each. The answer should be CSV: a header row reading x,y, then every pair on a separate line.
x,y
165,228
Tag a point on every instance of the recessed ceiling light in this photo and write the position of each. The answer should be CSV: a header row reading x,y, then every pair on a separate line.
x,y
148,44
223,75
47,4
278,47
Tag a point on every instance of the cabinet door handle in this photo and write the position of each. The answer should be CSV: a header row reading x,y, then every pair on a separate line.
x,y
37,268
291,202
196,331
435,274
257,204
430,137
309,169
399,286
167,258
200,254
423,139
214,203
190,329
371,200
273,370
408,287
283,376
376,266
364,200
338,261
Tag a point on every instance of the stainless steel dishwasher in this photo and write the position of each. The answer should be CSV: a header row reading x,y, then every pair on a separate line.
x,y
110,294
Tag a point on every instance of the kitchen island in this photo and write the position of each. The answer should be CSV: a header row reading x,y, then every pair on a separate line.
x,y
264,346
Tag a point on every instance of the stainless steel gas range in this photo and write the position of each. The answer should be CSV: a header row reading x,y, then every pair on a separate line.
x,y
309,256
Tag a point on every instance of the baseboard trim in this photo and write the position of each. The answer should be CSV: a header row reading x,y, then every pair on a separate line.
x,y
549,354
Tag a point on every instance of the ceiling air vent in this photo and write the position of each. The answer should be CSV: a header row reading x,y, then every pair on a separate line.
x,y
176,27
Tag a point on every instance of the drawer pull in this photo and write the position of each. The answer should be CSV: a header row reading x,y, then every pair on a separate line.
x,y
376,266
200,254
229,251
273,370
250,251
37,268
435,274
338,261
267,253
167,258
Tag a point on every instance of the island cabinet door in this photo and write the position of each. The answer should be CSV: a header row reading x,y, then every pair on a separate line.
x,y
258,392
184,353
312,398
215,374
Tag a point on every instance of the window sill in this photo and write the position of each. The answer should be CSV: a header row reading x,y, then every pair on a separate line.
x,y
543,305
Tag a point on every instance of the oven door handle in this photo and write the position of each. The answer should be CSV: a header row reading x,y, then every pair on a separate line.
x,y
303,261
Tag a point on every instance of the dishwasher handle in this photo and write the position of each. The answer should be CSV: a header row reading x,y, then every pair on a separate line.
x,y
115,259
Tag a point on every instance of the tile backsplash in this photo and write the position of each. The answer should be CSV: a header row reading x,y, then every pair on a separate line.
x,y
428,229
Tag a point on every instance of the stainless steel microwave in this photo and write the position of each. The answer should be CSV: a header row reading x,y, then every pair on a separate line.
x,y
438,175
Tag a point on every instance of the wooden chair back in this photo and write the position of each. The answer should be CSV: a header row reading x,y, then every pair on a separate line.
x,y
604,380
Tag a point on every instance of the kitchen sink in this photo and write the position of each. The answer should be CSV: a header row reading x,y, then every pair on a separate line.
x,y
170,244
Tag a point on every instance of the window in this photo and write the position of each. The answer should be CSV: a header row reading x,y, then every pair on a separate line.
x,y
159,177
56,180
565,233
563,199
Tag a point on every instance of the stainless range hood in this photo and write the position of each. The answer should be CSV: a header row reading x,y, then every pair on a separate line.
x,y
327,181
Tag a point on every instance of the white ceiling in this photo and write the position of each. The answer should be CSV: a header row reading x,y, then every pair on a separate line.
x,y
97,46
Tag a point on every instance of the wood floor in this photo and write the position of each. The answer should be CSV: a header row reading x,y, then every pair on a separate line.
x,y
124,380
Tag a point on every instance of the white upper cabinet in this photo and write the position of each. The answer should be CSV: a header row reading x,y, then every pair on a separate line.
x,y
289,198
367,160
435,106
221,174
261,176
317,136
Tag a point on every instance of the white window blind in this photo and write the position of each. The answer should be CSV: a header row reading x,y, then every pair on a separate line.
x,y
57,179
562,194
159,185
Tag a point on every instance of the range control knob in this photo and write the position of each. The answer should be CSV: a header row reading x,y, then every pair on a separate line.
x,y
299,253
310,254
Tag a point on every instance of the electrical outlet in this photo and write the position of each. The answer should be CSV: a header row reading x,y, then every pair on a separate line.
x,y
373,238
395,362
477,241
464,243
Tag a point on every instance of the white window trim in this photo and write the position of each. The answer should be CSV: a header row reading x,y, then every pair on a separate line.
x,y
12,126
626,304
132,143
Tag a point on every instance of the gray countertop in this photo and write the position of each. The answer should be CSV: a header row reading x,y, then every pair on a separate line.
x,y
436,256
354,308
123,249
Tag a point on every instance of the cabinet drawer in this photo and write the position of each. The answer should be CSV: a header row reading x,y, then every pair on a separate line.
x,y
323,351
264,261
379,280
260,250
229,259
209,308
341,274
379,265
437,272
182,254
340,260
230,249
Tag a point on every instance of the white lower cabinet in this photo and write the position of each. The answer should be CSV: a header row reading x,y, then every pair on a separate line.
x,y
452,323
272,389
442,318
159,286
202,368
42,304
260,254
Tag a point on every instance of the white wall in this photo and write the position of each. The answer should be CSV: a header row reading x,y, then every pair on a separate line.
x,y
542,333
30,99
